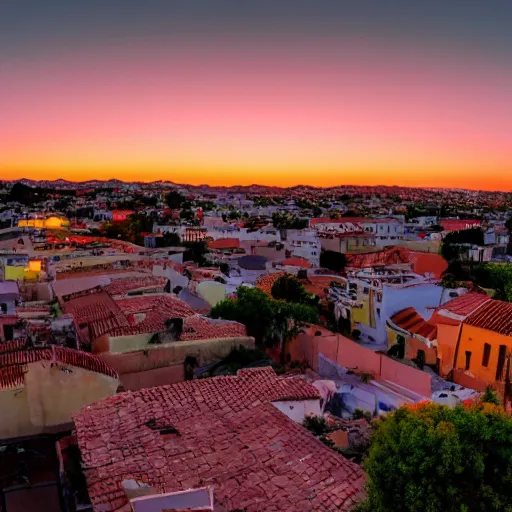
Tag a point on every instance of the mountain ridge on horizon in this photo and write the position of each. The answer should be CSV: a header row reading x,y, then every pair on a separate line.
x,y
169,183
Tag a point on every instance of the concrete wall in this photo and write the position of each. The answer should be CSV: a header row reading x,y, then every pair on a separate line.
x,y
49,397
171,354
447,336
297,410
347,353
405,376
153,378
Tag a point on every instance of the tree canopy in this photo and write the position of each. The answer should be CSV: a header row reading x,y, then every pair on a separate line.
x,y
449,248
432,458
269,321
290,289
174,199
333,260
286,221
495,276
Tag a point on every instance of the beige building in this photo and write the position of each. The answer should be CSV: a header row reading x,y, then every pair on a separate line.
x,y
41,388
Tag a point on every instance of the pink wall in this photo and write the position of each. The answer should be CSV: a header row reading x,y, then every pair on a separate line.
x,y
153,378
345,352
405,376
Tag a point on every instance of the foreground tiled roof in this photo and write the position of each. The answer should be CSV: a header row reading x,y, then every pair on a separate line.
x,y
409,320
465,304
493,315
221,432
14,359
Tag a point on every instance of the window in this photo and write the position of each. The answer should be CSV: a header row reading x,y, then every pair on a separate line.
x,y
501,362
487,354
468,359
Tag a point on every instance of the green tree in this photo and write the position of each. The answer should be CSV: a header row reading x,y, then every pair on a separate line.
x,y
439,459
174,199
290,289
268,320
333,260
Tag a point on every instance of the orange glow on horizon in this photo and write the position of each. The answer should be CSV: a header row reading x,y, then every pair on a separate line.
x,y
223,117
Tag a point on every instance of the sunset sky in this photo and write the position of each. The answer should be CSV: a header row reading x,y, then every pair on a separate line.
x,y
411,92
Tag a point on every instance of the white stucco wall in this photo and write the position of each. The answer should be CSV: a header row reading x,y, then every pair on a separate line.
x,y
297,410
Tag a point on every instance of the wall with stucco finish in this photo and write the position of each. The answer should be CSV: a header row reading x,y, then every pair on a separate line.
x,y
49,397
297,410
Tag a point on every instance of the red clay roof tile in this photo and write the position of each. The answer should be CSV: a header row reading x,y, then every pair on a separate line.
x,y
465,304
493,315
221,432
15,358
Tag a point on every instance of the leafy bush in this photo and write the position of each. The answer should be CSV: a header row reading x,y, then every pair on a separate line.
x,y
431,457
316,425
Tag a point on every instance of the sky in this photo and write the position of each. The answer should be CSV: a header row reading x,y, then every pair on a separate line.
x,y
324,93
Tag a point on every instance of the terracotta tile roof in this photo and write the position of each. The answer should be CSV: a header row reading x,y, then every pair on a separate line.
x,y
219,432
14,359
80,272
159,308
422,263
266,281
317,284
98,311
297,262
465,304
493,315
125,285
409,320
224,243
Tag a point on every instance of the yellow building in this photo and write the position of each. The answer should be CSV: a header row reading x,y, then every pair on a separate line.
x,y
485,343
42,391
52,222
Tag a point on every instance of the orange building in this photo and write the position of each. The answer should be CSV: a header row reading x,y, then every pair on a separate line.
x,y
484,346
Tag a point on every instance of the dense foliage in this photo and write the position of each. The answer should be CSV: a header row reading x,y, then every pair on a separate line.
x,y
333,260
130,229
439,459
288,221
290,289
495,276
450,249
269,321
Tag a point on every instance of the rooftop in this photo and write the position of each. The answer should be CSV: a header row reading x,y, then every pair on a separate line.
x,y
221,432
493,315
14,358
125,285
465,304
224,243
409,320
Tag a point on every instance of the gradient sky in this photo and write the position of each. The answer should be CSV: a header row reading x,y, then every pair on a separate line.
x,y
411,92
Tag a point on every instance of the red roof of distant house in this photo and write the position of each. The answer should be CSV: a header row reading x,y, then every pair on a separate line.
x,y
409,320
14,359
459,224
465,304
422,263
222,432
297,262
224,243
493,315
352,220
